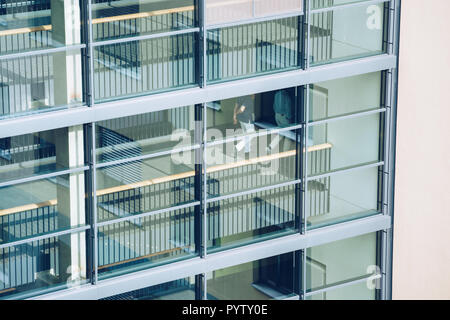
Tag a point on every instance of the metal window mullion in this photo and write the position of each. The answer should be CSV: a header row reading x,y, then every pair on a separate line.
x,y
202,54
387,289
93,203
205,185
307,4
90,57
306,204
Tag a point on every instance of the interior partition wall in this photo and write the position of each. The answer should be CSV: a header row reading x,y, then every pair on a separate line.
x,y
188,132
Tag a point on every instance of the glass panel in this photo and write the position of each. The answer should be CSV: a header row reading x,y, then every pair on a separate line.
x,y
271,278
52,263
41,152
359,291
144,186
350,142
151,240
137,67
38,83
250,218
347,33
41,206
129,18
341,261
345,96
138,135
224,11
342,197
31,25
253,113
250,163
250,49
318,4
182,289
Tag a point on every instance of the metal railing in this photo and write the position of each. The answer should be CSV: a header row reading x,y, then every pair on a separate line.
x,y
249,49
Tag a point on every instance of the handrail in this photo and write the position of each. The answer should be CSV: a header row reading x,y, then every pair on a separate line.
x,y
173,177
130,16
141,257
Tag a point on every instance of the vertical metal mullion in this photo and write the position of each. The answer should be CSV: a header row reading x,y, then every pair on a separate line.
x,y
205,190
307,38
90,57
304,152
202,49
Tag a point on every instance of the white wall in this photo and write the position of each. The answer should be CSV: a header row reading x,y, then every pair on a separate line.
x,y
422,192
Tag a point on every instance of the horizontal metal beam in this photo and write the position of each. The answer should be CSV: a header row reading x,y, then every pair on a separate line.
x,y
156,102
347,5
220,260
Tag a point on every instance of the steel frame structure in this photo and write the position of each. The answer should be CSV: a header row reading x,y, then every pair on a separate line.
x,y
306,75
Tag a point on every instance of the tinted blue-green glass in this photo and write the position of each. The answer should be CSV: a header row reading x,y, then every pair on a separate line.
x,y
270,278
251,49
342,197
181,289
358,291
337,262
347,33
138,67
124,19
145,242
43,265
249,218
42,206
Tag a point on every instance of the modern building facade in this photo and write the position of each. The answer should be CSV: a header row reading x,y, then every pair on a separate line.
x,y
213,149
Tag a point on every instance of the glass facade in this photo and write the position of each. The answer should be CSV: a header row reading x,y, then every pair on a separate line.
x,y
270,278
217,126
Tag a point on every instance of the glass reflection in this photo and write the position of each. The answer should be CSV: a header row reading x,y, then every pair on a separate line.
x,y
41,152
341,261
255,113
351,142
42,82
137,67
271,278
43,264
182,289
145,134
342,197
345,96
245,50
43,24
359,291
42,206
120,19
225,11
146,185
347,33
248,218
147,241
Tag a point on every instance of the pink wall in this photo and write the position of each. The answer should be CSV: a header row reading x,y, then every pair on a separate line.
x,y
422,193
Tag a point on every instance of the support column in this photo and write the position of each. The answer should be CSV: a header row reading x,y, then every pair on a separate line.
x,y
69,142
67,69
